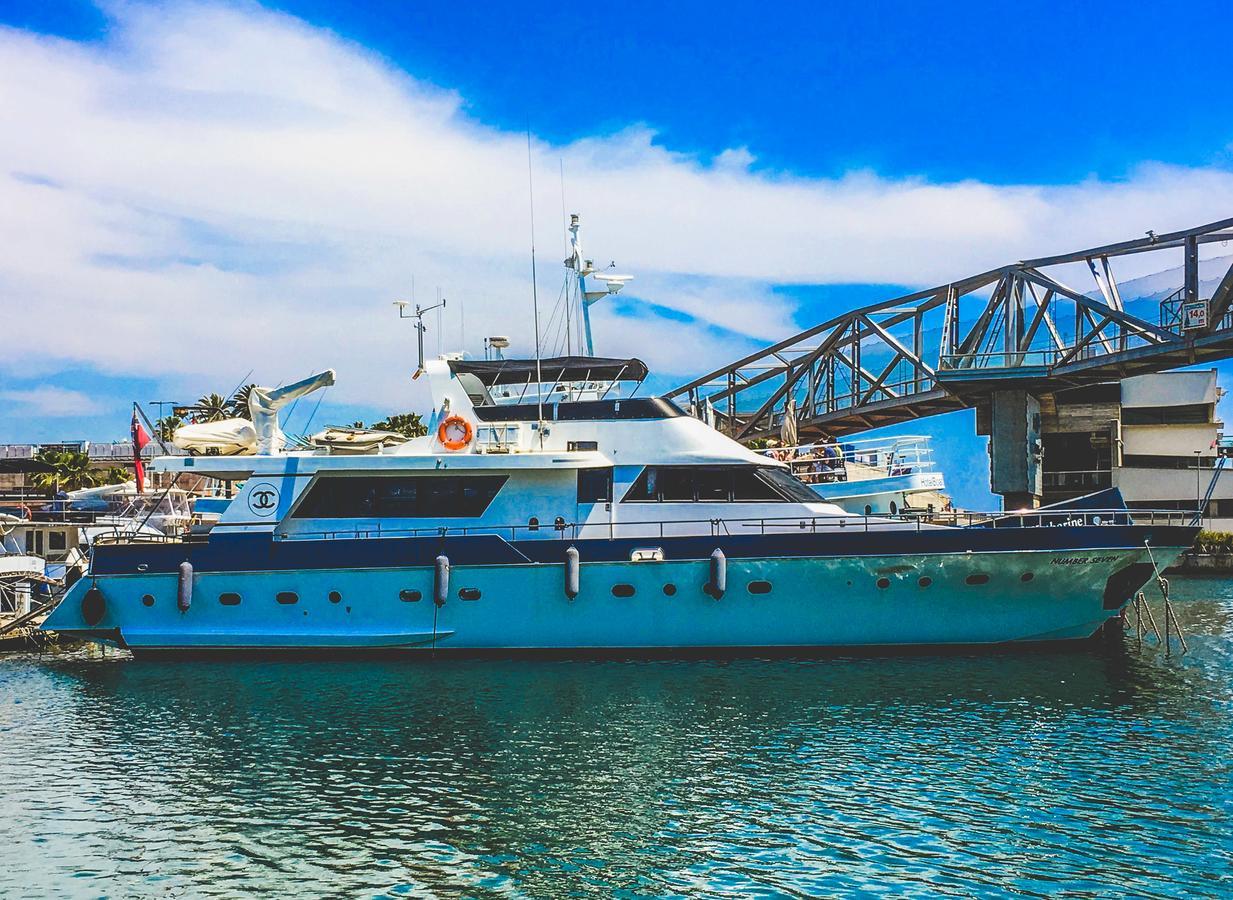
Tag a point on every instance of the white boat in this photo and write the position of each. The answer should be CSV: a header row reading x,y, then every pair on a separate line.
x,y
615,524
871,476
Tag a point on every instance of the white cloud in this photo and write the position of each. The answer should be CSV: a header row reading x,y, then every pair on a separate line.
x,y
48,401
214,188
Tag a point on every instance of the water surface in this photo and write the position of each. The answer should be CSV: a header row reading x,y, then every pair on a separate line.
x,y
1097,772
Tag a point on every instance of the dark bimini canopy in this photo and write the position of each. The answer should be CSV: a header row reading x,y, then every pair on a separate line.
x,y
558,368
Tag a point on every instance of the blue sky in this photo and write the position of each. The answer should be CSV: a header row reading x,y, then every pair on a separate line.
x,y
205,188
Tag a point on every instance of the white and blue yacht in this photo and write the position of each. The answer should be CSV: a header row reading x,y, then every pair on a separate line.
x,y
551,508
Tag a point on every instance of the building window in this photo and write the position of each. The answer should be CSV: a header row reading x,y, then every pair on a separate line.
x,y
594,485
1184,414
400,497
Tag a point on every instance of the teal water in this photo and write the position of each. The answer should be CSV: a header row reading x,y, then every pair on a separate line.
x,y
1082,773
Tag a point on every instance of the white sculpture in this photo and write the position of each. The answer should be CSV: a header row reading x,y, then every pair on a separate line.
x,y
264,404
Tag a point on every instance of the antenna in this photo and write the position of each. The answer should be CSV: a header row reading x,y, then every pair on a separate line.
x,y
539,386
418,315
569,348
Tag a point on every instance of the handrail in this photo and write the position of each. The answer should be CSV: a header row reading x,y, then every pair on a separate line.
x,y
1046,518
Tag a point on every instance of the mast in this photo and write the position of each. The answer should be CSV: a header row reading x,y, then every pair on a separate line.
x,y
582,268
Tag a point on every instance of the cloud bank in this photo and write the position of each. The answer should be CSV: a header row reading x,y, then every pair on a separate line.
x,y
214,188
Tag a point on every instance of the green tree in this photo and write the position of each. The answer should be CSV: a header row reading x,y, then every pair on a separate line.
x,y
113,475
70,470
167,426
239,402
408,424
213,408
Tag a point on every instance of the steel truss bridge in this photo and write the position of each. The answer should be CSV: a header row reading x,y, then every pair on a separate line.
x,y
950,347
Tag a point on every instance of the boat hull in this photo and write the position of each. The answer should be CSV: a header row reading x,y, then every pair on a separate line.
x,y
793,603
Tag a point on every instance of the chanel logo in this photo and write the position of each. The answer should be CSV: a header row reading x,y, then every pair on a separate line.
x,y
263,499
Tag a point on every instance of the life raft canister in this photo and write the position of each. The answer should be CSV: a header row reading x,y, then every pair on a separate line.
x,y
455,432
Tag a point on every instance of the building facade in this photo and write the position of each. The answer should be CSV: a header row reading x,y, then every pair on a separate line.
x,y
1153,436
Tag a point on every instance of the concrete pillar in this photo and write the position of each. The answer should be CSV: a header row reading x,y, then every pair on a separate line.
x,y
1014,449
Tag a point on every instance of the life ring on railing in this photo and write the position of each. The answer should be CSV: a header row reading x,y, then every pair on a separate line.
x,y
455,432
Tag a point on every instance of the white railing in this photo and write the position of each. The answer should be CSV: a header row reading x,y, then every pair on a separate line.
x,y
652,528
857,460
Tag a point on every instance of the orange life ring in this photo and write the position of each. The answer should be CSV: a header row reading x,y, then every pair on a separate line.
x,y
454,441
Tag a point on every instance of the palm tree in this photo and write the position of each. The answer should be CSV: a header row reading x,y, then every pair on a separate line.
x,y
239,402
70,470
113,475
167,426
213,408
408,424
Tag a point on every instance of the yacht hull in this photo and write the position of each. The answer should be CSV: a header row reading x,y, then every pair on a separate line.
x,y
511,597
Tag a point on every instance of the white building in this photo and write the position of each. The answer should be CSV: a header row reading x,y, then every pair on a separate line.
x,y
1153,436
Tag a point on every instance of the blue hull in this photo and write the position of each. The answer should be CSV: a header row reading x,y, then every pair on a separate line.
x,y
939,598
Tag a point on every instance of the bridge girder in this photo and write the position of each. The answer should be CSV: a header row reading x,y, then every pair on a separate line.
x,y
949,347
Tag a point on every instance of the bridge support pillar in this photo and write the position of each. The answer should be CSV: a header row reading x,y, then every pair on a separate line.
x,y
1014,449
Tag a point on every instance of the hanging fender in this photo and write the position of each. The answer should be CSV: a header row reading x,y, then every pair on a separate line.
x,y
93,606
719,574
184,589
441,580
573,576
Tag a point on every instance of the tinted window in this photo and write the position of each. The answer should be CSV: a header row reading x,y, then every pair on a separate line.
x,y
746,485
401,497
57,540
717,483
713,484
787,484
594,485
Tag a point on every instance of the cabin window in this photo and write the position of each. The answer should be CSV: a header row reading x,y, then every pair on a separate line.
x,y
709,484
286,598
759,587
409,596
400,497
229,599
469,594
594,485
57,540
978,578
622,590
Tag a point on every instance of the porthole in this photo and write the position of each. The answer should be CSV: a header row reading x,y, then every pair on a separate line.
x,y
670,590
924,581
286,598
1027,576
868,510
335,597
148,599
759,587
622,590
978,578
409,596
229,599
469,594
893,508
533,524
883,582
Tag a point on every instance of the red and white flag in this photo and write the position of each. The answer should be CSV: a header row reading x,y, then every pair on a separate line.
x,y
140,439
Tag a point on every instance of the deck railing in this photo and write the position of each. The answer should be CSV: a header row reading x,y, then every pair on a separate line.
x,y
659,528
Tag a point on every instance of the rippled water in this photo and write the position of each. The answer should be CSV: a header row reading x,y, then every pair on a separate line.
x,y
1090,772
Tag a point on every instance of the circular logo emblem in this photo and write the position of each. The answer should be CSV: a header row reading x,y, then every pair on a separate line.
x,y
262,499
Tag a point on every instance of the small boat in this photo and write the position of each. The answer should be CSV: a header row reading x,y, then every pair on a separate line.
x,y
870,476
